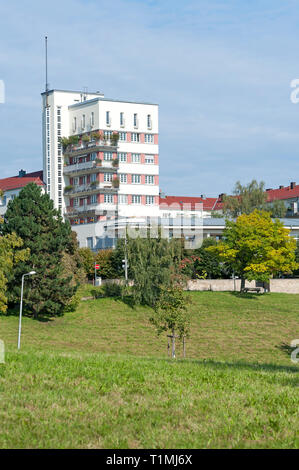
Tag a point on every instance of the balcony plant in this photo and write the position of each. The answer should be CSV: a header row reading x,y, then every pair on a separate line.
x,y
94,184
114,138
115,162
85,138
115,182
98,162
68,188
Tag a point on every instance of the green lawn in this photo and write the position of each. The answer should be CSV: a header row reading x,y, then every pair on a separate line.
x,y
100,377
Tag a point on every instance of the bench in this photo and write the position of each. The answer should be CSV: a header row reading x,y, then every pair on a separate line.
x,y
252,289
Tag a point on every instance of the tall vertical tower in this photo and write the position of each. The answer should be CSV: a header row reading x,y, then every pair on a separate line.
x,y
55,124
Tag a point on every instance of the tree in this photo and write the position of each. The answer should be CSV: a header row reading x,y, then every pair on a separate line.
x,y
246,199
277,209
153,264
105,260
31,215
10,254
204,263
171,314
87,259
256,247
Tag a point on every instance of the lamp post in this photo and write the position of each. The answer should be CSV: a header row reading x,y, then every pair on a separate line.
x,y
21,307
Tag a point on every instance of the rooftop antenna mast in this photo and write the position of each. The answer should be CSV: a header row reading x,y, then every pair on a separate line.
x,y
47,85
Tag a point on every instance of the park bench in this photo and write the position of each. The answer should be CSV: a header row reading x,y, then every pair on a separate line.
x,y
252,289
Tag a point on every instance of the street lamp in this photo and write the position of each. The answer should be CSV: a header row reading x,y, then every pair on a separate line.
x,y
21,307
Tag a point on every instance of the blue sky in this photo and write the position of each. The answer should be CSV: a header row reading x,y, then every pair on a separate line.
x,y
220,71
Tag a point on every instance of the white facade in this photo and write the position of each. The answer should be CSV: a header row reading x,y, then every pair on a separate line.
x,y
67,114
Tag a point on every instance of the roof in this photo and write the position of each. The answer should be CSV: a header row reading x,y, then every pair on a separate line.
x,y
16,182
282,193
209,203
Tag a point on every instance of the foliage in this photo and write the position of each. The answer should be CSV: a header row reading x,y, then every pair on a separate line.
x,y
104,259
246,199
256,247
115,182
154,263
112,289
73,269
170,312
31,215
86,257
10,255
277,209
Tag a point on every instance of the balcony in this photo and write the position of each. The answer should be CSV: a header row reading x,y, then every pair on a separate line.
x,y
91,209
91,167
90,188
74,150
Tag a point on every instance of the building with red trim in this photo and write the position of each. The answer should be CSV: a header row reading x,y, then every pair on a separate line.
x,y
11,186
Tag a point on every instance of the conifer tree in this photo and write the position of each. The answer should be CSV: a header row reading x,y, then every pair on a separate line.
x,y
32,216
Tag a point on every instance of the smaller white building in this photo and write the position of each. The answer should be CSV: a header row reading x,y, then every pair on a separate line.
x,y
10,187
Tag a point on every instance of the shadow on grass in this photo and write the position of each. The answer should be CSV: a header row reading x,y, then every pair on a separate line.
x,y
286,348
239,365
246,295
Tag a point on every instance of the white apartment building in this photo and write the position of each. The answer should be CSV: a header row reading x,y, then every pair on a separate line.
x,y
110,169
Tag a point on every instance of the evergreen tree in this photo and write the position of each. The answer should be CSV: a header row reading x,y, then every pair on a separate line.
x,y
31,215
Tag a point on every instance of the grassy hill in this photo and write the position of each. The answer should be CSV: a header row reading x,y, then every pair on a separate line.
x,y
100,377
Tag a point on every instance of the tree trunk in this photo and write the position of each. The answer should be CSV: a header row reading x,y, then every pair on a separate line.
x,y
242,283
173,344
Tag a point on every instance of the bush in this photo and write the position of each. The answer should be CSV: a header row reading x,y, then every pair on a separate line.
x,y
112,289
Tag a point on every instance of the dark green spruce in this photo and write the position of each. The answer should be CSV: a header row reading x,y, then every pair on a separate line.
x,y
32,216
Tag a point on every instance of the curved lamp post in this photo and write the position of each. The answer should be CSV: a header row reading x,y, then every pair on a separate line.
x,y
21,307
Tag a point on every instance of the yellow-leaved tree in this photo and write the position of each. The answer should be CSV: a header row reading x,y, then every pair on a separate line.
x,y
257,247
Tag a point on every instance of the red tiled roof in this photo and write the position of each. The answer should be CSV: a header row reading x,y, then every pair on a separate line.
x,y
16,182
283,193
209,203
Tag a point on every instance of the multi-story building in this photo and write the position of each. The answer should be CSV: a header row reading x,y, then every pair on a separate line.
x,y
110,167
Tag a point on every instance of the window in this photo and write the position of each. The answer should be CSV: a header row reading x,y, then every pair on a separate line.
x,y
149,121
108,156
121,120
149,138
135,157
84,179
122,199
76,180
135,120
107,134
149,159
92,119
149,179
93,156
108,198
136,199
123,178
108,177
122,136
122,157
89,241
135,137
108,121
150,200
75,202
93,199
93,177
83,121
136,179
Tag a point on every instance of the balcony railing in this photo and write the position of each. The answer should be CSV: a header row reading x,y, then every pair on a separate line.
x,y
94,165
91,209
90,188
87,147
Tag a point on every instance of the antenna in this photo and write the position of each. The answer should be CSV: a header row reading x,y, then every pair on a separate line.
x,y
47,85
